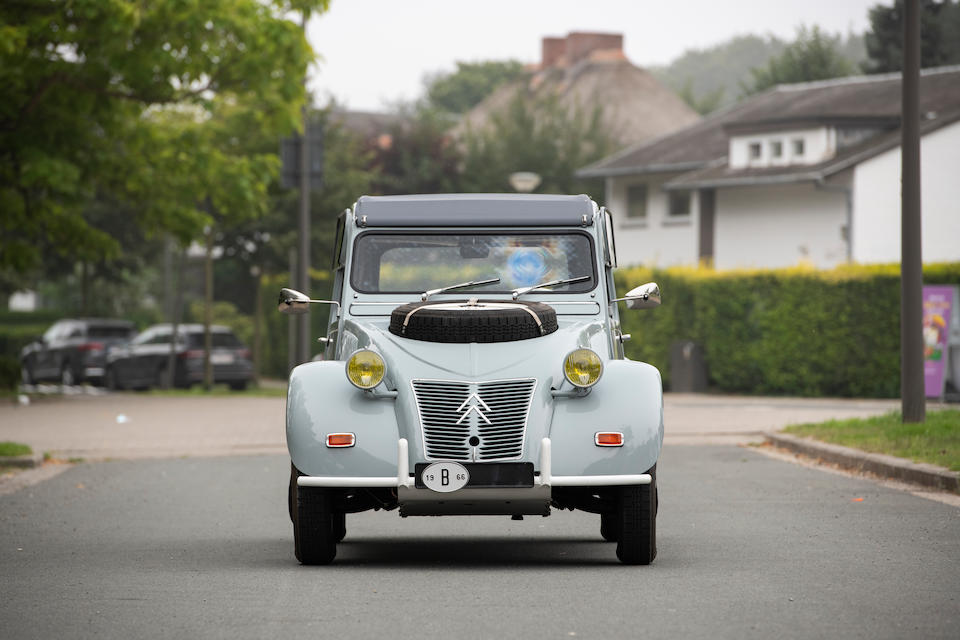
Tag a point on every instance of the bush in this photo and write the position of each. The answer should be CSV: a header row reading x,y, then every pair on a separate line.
x,y
20,328
792,331
9,372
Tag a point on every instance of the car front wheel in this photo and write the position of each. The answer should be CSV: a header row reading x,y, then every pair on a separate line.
x,y
637,520
314,538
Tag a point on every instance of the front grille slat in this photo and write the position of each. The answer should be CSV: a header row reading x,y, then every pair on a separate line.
x,y
449,416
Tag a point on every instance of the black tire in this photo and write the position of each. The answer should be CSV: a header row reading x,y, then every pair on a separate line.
x,y
484,321
637,517
339,526
609,527
313,539
238,386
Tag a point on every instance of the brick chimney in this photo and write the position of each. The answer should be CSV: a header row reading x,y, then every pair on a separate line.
x,y
562,52
552,49
581,44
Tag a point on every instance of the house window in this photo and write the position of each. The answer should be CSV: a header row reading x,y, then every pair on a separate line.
x,y
637,202
755,150
679,203
798,147
776,149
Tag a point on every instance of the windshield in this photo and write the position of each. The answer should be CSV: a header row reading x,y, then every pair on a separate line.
x,y
407,263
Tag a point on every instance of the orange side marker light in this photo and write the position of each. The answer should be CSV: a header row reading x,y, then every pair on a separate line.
x,y
337,440
608,439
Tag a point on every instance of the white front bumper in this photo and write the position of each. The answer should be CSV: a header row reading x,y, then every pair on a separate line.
x,y
404,479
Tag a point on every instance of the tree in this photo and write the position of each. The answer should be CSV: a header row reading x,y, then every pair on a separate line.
x,y
939,36
419,155
539,135
140,101
703,105
460,91
812,56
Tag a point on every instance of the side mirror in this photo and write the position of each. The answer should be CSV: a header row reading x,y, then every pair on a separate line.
x,y
646,296
293,302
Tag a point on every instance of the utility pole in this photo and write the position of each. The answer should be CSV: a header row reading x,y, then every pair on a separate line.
x,y
207,311
303,264
292,321
911,256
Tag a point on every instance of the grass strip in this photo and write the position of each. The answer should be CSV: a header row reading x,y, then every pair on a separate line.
x,y
12,449
936,441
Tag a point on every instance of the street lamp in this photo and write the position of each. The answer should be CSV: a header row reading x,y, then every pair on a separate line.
x,y
524,181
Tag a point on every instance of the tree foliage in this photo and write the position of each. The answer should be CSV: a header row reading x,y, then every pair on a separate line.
x,y
460,91
538,135
146,102
418,155
939,36
814,55
713,77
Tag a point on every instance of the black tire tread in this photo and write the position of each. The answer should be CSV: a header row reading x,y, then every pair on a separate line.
x,y
313,539
637,515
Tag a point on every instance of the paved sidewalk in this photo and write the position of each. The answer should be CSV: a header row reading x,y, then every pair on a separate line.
x,y
130,425
692,418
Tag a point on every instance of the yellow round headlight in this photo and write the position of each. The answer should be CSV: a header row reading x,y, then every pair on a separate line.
x,y
365,369
582,367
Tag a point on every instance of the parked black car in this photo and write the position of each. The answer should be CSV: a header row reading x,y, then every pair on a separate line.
x,y
142,363
73,351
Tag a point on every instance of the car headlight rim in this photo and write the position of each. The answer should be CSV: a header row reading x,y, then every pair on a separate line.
x,y
365,369
582,367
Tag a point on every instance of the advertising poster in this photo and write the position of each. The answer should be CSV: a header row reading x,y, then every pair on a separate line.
x,y
937,305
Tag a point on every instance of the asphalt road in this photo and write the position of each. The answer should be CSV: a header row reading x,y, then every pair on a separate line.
x,y
749,547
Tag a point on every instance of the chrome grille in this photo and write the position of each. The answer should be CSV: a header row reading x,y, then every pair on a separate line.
x,y
494,411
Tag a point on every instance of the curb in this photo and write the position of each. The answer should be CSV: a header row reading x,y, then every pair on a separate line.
x,y
880,464
31,461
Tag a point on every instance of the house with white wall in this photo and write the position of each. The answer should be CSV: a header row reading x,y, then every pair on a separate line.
x,y
802,173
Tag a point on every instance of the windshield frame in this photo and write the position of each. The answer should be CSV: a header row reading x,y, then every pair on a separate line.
x,y
579,288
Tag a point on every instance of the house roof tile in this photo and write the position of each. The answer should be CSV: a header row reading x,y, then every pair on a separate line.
x,y
869,99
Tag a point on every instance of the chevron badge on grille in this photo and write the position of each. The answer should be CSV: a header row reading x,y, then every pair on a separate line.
x,y
473,403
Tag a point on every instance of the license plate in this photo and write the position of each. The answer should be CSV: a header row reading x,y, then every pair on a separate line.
x,y
445,476
221,358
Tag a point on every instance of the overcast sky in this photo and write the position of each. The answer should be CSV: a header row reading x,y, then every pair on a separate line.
x,y
376,52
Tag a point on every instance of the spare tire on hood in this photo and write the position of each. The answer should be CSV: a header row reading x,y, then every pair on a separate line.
x,y
473,320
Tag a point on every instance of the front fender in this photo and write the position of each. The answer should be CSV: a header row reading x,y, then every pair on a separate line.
x,y
321,400
628,399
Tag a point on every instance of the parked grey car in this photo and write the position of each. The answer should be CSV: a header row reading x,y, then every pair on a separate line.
x,y
143,362
474,365
73,351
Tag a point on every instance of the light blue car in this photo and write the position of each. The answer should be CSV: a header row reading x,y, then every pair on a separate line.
x,y
474,366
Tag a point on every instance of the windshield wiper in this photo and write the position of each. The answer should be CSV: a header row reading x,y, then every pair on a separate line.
x,y
521,291
462,285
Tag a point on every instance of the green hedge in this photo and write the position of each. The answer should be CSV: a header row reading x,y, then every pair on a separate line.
x,y
793,331
20,328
